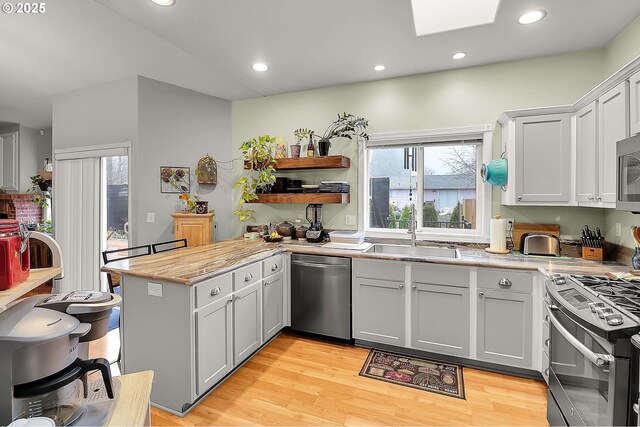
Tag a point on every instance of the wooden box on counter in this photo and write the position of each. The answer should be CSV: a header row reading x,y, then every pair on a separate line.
x,y
196,228
594,254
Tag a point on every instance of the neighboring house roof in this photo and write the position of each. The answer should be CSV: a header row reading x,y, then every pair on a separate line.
x,y
434,182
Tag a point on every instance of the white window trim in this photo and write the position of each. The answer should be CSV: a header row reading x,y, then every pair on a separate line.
x,y
483,190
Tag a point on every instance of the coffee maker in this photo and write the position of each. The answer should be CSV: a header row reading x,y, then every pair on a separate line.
x,y
315,233
41,374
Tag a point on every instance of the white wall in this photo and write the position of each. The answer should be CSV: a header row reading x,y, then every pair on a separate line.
x,y
177,127
29,165
463,97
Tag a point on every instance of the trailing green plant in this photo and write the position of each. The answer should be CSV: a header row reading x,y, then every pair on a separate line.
x,y
45,227
346,126
40,197
258,152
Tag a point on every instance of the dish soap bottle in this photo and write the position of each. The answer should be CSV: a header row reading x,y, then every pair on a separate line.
x,y
311,148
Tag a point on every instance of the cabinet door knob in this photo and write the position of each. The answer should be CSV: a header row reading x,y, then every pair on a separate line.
x,y
414,287
591,198
505,283
230,300
248,277
274,267
546,371
481,294
215,291
599,198
401,286
266,283
519,198
546,343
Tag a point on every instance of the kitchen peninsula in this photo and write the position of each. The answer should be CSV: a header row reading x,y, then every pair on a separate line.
x,y
218,304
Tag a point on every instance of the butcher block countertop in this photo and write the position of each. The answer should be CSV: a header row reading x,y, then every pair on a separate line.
x,y
197,263
194,264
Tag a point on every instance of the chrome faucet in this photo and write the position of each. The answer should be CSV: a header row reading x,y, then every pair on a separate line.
x,y
413,224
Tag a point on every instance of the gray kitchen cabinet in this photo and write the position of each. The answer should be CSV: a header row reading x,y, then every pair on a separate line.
x,y
272,305
379,311
634,101
214,343
587,155
247,320
504,327
440,318
542,170
613,125
9,160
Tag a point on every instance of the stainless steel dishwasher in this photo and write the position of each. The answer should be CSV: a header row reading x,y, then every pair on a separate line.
x,y
321,295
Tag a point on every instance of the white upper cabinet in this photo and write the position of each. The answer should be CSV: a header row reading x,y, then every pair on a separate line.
x,y
613,125
634,88
587,154
9,161
539,153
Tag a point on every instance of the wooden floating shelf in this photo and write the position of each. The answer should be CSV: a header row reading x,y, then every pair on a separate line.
x,y
303,198
326,162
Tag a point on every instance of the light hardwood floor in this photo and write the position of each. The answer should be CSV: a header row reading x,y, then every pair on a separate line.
x,y
299,381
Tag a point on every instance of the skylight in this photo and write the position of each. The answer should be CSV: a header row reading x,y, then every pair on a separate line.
x,y
437,16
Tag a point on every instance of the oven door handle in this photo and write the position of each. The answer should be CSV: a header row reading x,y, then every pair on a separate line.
x,y
597,359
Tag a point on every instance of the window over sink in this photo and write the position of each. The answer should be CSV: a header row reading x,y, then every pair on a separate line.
x,y
438,171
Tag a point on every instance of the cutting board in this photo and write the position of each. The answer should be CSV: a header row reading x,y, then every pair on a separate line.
x,y
519,228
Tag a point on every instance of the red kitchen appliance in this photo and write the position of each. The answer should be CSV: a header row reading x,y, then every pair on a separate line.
x,y
14,253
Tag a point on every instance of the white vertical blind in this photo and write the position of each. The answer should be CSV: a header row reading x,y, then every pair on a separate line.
x,y
76,219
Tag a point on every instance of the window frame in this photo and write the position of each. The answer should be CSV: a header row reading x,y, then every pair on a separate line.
x,y
484,133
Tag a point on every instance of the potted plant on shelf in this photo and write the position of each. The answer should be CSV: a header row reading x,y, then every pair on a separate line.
x,y
40,189
345,126
260,175
300,134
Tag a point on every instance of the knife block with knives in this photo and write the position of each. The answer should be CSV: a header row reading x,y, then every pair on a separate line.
x,y
592,244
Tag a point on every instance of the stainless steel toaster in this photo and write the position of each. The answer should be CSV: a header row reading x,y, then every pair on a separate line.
x,y
540,244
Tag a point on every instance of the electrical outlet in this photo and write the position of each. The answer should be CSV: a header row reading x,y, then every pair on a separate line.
x,y
349,220
151,217
618,229
154,289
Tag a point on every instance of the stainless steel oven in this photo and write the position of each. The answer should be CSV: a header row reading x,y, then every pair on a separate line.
x,y
589,359
628,173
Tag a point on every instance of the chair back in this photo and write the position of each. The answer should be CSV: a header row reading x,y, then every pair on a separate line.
x,y
169,246
120,254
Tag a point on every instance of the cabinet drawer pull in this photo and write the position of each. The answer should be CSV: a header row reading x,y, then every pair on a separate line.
x,y
274,267
215,291
505,283
599,198
230,300
267,283
481,294
248,277
591,198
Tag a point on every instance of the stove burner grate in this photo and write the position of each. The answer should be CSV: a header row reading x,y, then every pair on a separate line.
x,y
620,292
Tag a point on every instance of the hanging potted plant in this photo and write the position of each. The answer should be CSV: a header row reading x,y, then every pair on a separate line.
x,y
258,153
345,126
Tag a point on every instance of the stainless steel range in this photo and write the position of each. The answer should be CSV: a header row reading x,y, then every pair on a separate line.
x,y
589,321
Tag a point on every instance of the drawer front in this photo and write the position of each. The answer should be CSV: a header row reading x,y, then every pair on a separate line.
x,y
272,265
379,270
438,275
505,280
213,289
245,276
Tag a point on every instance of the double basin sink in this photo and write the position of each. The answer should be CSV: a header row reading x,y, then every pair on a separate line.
x,y
418,251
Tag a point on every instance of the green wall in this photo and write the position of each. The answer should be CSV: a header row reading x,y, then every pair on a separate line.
x,y
462,97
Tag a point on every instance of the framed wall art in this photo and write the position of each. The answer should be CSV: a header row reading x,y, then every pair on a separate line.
x,y
175,179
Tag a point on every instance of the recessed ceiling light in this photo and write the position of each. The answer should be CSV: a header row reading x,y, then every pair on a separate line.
x,y
260,67
459,55
164,2
531,17
379,68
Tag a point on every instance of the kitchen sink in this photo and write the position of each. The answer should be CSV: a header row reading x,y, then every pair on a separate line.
x,y
421,251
